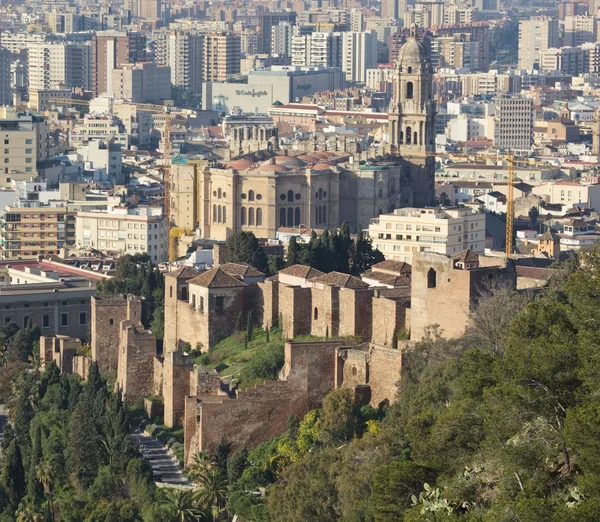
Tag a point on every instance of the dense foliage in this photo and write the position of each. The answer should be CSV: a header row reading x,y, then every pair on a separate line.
x,y
500,425
69,457
138,276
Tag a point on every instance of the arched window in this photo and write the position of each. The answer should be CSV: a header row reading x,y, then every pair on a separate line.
x,y
409,70
219,193
290,195
282,217
224,214
354,371
214,213
401,138
219,214
320,193
431,278
194,300
251,217
171,292
324,214
297,217
392,185
250,195
290,217
316,313
319,214
184,294
409,90
415,139
243,216
381,189
408,135
259,217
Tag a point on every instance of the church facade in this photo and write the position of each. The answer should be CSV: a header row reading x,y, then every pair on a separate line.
x,y
321,189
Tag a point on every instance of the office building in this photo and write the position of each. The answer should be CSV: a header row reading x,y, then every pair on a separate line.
x,y
448,231
268,20
359,53
537,34
110,50
138,230
221,57
513,123
141,83
5,91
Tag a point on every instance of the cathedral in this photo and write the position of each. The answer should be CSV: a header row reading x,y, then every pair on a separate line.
x,y
271,190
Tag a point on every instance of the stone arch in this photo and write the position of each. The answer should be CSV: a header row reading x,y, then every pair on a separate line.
x,y
243,216
251,217
224,214
408,135
214,213
282,217
219,214
250,195
290,196
259,217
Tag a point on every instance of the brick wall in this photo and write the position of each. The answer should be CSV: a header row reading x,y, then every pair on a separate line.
x,y
222,324
176,385
137,349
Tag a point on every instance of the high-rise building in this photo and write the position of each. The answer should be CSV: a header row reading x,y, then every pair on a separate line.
x,y
579,30
455,52
268,20
141,83
359,53
150,9
110,50
52,65
412,116
317,49
221,57
537,34
281,39
357,20
182,51
513,123
5,92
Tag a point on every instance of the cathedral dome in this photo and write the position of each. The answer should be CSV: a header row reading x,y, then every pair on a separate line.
x,y
414,55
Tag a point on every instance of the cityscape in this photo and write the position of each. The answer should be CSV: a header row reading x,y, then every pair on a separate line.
x,y
299,261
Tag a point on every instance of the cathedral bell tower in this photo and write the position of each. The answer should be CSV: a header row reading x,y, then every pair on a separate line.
x,y
412,117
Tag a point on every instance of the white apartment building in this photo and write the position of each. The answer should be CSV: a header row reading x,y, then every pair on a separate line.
x,y
54,65
535,35
317,49
432,229
98,128
182,51
377,78
569,193
104,156
568,60
513,123
281,39
126,231
141,83
359,53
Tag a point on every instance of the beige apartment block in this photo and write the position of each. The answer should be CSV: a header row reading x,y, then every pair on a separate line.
x,y
407,231
141,230
221,56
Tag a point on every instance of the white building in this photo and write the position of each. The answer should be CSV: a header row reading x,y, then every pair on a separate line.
x,y
445,230
59,64
317,49
377,78
99,128
579,30
569,193
105,156
536,34
513,123
5,91
359,53
182,51
136,230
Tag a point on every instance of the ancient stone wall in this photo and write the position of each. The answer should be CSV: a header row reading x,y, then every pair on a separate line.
x,y
385,365
107,314
325,313
295,308
157,389
47,348
355,313
81,366
67,350
268,303
389,315
222,324
260,413
137,349
176,385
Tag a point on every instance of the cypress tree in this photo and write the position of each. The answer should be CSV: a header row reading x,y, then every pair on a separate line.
x,y
13,475
267,331
395,340
34,488
82,445
293,252
238,323
250,326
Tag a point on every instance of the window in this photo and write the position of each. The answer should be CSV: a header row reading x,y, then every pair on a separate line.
x,y
282,217
251,217
193,300
64,319
259,217
184,294
7,321
290,196
316,313
297,217
111,322
26,321
243,217
250,195
170,293
26,305
45,321
409,90
219,303
82,318
202,304
431,278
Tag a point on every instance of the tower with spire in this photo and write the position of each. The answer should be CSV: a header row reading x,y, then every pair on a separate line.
x,y
412,115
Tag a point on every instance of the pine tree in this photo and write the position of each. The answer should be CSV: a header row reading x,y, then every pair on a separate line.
x,y
34,488
13,475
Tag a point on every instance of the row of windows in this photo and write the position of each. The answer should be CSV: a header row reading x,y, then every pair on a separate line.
x,y
64,320
219,214
251,217
290,217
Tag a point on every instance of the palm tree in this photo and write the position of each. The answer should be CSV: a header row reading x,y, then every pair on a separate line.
x,y
45,475
212,491
182,505
201,463
29,513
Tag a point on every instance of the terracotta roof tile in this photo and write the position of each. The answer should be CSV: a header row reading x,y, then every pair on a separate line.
x,y
467,256
341,280
216,278
303,271
240,270
185,272
400,267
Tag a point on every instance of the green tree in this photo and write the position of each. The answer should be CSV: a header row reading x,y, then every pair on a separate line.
x,y
243,247
533,215
212,491
45,475
34,488
339,419
182,505
13,475
83,444
221,455
293,252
